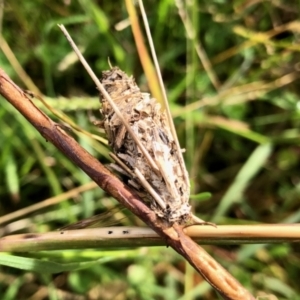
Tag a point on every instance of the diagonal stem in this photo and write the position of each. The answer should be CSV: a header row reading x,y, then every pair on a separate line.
x,y
174,236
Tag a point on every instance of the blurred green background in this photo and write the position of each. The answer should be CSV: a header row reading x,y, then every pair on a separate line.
x,y
236,111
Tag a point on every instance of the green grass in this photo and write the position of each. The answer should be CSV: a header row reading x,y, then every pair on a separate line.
x,y
241,135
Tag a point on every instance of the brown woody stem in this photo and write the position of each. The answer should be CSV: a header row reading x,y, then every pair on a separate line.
x,y
174,236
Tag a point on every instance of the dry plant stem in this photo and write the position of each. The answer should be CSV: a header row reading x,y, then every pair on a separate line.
x,y
211,270
142,51
48,202
214,273
63,117
17,67
132,237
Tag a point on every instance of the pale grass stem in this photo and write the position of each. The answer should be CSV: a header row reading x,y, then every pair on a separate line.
x,y
125,236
